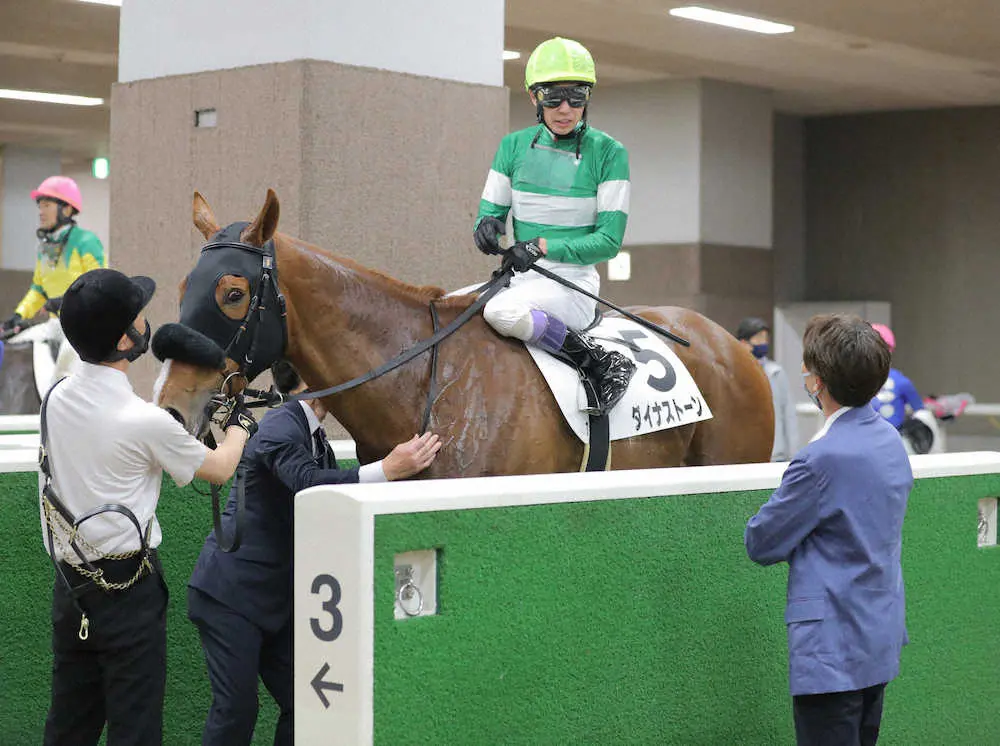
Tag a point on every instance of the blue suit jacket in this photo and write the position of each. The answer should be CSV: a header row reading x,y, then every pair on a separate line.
x,y
837,519
256,579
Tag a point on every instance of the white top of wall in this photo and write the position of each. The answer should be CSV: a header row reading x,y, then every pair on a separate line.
x,y
540,489
449,39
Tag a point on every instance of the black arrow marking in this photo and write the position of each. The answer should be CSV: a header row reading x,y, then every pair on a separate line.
x,y
319,685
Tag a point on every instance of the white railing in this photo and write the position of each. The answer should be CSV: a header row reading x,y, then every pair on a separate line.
x,y
12,423
20,431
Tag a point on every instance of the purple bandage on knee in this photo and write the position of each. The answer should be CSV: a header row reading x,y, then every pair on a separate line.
x,y
547,331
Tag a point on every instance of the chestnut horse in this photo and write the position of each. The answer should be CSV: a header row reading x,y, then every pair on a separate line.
x,y
492,408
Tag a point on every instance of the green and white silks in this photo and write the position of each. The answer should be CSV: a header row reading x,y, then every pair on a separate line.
x,y
579,205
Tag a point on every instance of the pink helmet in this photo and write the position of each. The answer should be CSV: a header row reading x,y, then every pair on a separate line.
x,y
886,334
61,188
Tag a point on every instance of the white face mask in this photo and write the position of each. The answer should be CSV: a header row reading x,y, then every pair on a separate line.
x,y
813,397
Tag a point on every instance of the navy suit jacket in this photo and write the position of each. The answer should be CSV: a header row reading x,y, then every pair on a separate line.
x,y
837,519
256,579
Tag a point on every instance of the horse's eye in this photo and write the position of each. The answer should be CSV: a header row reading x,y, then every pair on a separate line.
x,y
234,296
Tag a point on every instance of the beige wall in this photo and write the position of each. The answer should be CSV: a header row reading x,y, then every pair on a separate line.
x,y
902,207
370,164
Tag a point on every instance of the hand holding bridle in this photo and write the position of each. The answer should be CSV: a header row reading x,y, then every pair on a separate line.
x,y
241,417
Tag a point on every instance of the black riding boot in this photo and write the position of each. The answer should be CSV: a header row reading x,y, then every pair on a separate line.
x,y
610,371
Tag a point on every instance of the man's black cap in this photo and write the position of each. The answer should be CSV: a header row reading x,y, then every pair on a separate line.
x,y
97,309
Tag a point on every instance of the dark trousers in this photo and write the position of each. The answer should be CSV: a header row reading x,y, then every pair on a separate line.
x,y
840,718
118,674
237,651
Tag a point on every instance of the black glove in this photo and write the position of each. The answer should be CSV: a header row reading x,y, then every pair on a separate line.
x,y
486,234
11,325
240,416
53,305
523,254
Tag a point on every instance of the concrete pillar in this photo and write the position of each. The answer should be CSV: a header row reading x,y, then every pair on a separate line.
x,y
374,122
700,221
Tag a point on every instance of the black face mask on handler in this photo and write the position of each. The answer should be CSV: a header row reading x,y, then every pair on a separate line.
x,y
140,343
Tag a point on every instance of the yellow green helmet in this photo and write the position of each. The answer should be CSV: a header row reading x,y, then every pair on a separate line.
x,y
559,59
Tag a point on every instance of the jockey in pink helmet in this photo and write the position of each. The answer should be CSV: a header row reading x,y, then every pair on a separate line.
x,y
886,334
898,400
65,251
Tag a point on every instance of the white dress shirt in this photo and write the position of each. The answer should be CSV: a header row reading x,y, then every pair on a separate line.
x,y
829,421
107,445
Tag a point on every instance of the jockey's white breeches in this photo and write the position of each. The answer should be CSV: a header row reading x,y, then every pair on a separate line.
x,y
509,311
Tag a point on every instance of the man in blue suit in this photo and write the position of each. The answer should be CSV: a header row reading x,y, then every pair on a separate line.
x,y
837,519
241,601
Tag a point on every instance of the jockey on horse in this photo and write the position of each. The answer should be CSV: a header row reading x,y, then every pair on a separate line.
x,y
567,185
65,251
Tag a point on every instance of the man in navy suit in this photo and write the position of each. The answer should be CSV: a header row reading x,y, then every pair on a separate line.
x,y
837,520
241,602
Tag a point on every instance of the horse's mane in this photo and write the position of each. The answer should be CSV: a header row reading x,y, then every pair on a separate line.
x,y
422,294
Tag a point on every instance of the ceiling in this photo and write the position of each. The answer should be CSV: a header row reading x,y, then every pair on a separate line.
x,y
845,55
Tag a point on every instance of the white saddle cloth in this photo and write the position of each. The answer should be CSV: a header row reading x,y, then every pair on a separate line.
x,y
661,395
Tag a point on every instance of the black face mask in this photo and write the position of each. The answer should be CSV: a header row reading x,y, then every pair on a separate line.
x,y
140,343
200,312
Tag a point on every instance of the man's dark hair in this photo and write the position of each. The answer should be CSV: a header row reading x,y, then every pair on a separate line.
x,y
751,326
847,355
286,378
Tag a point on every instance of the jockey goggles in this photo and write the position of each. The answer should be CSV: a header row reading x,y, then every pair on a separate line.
x,y
552,96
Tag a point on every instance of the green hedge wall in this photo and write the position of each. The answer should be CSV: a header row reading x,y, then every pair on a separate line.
x,y
643,622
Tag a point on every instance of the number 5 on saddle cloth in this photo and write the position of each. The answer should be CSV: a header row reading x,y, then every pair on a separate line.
x,y
57,516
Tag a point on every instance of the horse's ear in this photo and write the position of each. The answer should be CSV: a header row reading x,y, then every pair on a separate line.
x,y
204,219
260,231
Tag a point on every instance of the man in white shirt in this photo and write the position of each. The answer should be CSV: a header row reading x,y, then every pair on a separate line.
x,y
107,450
241,601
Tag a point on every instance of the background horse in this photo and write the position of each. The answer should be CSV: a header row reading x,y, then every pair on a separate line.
x,y
492,408
29,366
18,393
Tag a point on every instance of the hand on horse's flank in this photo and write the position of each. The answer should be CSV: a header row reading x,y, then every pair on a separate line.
x,y
411,457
